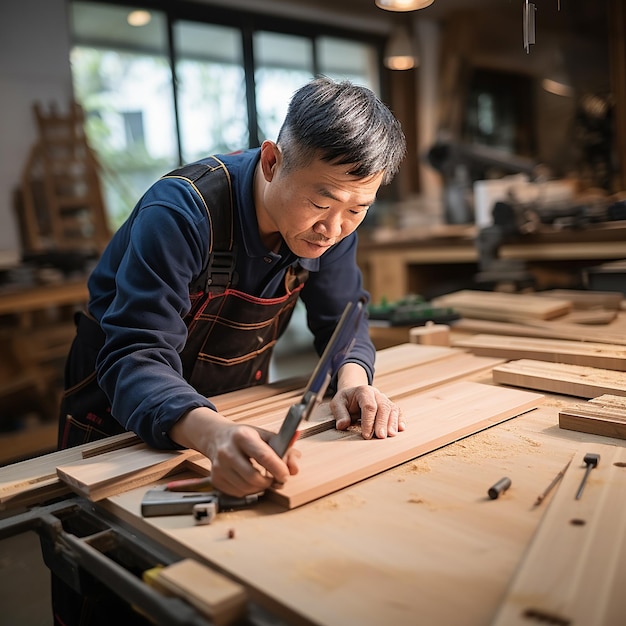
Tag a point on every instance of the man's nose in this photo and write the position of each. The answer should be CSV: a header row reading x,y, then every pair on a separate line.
x,y
330,227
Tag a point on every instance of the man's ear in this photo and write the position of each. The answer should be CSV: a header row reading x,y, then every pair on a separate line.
x,y
270,159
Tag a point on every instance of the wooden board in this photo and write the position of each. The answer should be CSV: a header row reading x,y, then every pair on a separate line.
x,y
604,415
601,355
506,307
334,459
586,299
35,480
214,595
574,571
395,385
572,380
117,471
546,329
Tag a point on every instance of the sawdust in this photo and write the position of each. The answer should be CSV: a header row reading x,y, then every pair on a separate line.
x,y
331,504
415,499
486,446
419,466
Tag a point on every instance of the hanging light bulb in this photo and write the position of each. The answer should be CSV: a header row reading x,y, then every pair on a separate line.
x,y
139,18
400,52
403,5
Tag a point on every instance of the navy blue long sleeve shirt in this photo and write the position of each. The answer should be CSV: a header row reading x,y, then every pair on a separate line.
x,y
139,292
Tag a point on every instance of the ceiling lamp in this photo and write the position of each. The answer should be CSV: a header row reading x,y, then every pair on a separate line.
x,y
403,5
139,18
400,52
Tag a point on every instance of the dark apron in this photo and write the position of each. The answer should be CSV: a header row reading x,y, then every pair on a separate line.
x,y
231,335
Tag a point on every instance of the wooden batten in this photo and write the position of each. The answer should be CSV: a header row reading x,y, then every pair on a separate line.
x,y
600,355
572,380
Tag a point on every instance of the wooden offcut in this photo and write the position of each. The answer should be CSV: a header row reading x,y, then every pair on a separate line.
x,y
574,571
214,595
334,459
506,307
604,415
600,355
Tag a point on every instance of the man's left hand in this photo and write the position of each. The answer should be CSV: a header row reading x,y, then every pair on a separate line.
x,y
379,416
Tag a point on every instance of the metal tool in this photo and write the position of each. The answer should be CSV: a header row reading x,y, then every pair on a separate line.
x,y
340,344
591,460
161,501
500,487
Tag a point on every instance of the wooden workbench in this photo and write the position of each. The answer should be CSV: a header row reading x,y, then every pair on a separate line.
x,y
445,258
421,543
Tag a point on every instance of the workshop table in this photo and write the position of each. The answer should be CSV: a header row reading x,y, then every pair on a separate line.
x,y
419,544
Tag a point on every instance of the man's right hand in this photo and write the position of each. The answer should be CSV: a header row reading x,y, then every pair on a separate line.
x,y
242,462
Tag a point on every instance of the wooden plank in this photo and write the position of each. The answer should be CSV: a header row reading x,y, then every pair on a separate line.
x,y
233,399
600,355
395,385
539,328
334,459
604,415
506,307
574,571
117,471
572,380
267,400
35,480
586,299
214,595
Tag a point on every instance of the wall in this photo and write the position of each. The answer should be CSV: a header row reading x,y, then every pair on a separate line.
x,y
34,66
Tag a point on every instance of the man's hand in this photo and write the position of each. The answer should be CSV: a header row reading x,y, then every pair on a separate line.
x,y
379,416
242,462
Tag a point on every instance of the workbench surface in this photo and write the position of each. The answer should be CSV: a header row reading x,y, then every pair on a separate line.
x,y
420,543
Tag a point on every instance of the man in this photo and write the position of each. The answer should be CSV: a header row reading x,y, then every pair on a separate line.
x,y
193,291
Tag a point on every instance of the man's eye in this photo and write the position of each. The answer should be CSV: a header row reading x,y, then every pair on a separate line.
x,y
317,206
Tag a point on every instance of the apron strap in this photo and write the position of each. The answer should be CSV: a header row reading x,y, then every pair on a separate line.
x,y
211,181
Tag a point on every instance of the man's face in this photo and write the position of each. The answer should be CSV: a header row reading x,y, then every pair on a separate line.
x,y
311,208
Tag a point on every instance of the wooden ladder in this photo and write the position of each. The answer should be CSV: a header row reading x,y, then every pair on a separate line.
x,y
62,201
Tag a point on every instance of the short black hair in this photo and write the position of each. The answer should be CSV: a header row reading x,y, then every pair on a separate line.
x,y
344,124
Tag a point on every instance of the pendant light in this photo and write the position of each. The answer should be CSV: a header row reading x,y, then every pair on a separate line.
x,y
403,5
400,53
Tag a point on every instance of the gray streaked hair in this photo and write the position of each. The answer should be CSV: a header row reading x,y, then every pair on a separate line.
x,y
343,124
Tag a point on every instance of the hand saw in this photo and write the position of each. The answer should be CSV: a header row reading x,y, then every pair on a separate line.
x,y
340,344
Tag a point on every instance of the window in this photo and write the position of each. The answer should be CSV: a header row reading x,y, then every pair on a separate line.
x,y
211,90
223,85
283,63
